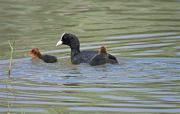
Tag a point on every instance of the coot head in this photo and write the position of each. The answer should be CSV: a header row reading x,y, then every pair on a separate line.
x,y
70,40
34,53
102,50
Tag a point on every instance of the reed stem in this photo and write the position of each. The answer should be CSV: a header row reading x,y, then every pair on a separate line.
x,y
11,56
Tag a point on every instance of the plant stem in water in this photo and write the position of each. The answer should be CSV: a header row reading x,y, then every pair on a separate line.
x,y
11,56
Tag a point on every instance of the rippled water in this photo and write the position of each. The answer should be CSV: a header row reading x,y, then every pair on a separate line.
x,y
143,34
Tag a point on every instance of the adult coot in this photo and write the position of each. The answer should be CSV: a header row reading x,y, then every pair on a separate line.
x,y
78,56
102,58
35,53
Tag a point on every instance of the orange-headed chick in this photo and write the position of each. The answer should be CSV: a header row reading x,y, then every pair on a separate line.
x,y
102,58
102,50
35,53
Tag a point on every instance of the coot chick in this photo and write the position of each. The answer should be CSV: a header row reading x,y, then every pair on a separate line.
x,y
102,58
35,53
78,56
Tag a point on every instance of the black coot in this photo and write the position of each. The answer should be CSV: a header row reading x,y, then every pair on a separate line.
x,y
78,56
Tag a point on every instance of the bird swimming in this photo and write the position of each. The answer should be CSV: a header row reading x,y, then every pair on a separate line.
x,y
35,53
78,56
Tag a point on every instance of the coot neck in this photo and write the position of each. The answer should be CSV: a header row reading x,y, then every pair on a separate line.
x,y
75,51
40,56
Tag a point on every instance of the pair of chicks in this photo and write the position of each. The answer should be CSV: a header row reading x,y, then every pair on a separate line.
x,y
98,59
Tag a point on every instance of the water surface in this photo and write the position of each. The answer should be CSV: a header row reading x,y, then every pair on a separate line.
x,y
143,34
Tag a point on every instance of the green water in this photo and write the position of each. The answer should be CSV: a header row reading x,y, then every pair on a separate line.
x,y
143,34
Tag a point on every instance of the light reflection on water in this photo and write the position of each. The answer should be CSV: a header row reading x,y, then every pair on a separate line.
x,y
143,34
